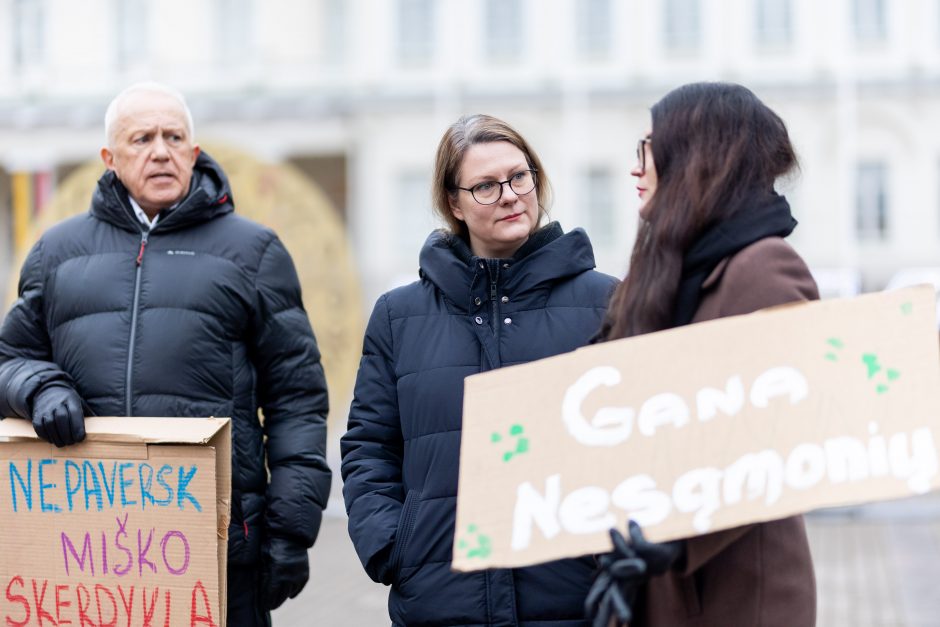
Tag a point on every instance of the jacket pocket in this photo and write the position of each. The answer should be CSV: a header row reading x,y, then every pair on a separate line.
x,y
406,525
245,528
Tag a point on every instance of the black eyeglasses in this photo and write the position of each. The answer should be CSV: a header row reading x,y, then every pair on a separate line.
x,y
489,192
641,153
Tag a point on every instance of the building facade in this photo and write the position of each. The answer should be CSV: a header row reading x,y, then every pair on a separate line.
x,y
356,93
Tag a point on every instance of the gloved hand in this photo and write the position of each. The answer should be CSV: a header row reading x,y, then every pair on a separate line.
x,y
57,414
660,557
623,571
284,571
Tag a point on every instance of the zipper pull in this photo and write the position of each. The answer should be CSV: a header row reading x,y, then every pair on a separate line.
x,y
143,245
492,291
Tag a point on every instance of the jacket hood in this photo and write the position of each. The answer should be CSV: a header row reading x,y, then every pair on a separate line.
x,y
210,196
549,255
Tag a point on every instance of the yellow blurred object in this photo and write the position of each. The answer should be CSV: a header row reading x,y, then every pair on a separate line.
x,y
279,196
22,208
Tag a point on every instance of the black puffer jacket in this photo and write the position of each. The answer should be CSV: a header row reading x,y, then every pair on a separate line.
x,y
199,317
400,454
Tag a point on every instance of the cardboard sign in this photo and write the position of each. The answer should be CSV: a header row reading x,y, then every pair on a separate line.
x,y
701,428
129,527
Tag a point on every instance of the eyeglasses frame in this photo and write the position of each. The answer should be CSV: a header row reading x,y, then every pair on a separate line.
x,y
641,153
535,183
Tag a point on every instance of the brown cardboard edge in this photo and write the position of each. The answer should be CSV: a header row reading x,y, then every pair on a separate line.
x,y
221,442
146,430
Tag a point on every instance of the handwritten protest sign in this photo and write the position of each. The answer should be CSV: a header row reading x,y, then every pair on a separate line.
x,y
701,428
128,527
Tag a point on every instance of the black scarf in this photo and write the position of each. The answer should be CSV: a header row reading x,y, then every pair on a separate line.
x,y
761,215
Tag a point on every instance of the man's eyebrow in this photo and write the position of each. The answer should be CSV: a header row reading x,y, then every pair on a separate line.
x,y
134,130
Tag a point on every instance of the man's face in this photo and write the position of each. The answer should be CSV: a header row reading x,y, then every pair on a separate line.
x,y
151,152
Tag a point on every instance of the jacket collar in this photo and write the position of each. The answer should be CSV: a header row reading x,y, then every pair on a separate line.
x,y
210,196
548,256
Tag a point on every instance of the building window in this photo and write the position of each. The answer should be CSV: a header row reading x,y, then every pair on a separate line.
x,y
593,29
870,21
415,219
871,200
683,25
333,31
600,219
504,30
774,22
28,37
131,19
415,32
235,38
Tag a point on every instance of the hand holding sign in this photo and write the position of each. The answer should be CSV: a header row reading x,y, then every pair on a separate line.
x,y
57,414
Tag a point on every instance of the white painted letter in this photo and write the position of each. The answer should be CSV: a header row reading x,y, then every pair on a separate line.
x,y
877,452
763,474
779,381
585,511
847,459
806,466
729,400
532,507
662,409
642,502
610,425
921,465
698,491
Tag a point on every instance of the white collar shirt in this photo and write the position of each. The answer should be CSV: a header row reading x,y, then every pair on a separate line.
x,y
147,222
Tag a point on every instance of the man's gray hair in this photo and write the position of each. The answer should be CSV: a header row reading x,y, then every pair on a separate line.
x,y
114,109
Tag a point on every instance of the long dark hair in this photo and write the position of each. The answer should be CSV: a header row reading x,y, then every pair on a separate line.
x,y
714,145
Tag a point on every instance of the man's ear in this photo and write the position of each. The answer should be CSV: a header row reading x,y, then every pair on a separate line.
x,y
196,151
108,157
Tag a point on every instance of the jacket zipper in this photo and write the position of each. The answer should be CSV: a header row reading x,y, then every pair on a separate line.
x,y
494,277
130,348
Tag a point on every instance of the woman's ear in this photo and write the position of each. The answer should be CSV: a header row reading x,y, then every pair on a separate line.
x,y
455,209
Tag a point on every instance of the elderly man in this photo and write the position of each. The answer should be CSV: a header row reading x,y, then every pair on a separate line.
x,y
160,301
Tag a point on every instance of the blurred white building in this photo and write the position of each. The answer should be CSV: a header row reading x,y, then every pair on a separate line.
x,y
358,92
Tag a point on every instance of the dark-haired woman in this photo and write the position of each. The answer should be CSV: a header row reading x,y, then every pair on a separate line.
x,y
711,244
497,287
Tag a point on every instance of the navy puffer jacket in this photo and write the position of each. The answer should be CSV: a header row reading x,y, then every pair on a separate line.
x,y
400,454
201,316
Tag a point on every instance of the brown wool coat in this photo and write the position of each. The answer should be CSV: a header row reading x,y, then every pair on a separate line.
x,y
759,575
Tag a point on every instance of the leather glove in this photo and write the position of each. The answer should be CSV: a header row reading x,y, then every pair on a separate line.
x,y
57,415
660,557
284,571
624,571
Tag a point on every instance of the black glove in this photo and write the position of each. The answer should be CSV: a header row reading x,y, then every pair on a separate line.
x,y
623,571
284,571
659,557
57,414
